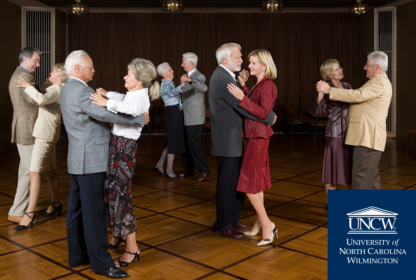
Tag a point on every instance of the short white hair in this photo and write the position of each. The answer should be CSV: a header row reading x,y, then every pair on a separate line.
x,y
379,58
225,51
74,58
162,68
191,57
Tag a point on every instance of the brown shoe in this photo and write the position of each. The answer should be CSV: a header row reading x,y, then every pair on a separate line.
x,y
239,226
39,208
202,177
184,174
15,219
231,233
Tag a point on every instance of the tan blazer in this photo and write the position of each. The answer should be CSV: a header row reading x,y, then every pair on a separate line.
x,y
25,110
48,125
366,119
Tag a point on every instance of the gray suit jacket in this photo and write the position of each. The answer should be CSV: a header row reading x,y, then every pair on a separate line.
x,y
193,99
88,129
226,117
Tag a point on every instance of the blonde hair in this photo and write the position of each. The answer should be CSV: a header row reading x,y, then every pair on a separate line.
x,y
145,71
60,68
327,67
265,58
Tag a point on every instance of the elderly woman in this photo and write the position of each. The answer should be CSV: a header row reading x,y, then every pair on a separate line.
x,y
175,141
140,83
337,166
255,171
46,132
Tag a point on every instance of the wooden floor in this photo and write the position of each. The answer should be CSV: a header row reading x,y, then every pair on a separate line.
x,y
175,219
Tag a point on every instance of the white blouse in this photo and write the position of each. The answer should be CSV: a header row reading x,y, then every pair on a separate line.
x,y
132,103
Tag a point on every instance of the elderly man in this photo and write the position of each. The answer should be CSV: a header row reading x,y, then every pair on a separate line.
x,y
25,113
226,141
366,120
194,117
89,139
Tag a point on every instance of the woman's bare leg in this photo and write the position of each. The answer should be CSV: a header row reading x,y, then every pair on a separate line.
x,y
131,246
169,168
257,200
33,197
162,159
54,184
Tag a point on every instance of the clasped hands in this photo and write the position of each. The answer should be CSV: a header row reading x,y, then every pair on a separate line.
x,y
100,98
322,87
242,79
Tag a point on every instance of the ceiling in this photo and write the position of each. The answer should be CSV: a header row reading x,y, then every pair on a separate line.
x,y
216,3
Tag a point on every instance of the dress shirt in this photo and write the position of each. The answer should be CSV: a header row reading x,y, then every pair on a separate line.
x,y
78,80
191,72
228,70
132,103
170,95
26,70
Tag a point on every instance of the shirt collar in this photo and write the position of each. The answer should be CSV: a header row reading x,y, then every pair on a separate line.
x,y
191,72
78,80
231,73
25,69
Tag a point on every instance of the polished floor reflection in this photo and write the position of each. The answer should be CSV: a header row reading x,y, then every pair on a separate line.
x,y
175,219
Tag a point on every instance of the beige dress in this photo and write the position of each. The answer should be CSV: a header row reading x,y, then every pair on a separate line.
x,y
47,128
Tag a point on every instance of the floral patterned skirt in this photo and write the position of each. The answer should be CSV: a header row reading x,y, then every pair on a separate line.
x,y
121,165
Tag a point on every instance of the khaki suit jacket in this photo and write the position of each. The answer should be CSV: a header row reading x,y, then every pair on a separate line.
x,y
366,119
25,110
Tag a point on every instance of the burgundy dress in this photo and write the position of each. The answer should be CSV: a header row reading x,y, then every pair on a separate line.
x,y
337,167
255,170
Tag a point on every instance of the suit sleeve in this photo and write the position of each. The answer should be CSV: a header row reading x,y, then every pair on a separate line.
x,y
199,83
50,96
371,90
103,115
267,98
234,102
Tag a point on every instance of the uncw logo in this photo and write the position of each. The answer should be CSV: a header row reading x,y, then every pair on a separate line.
x,y
372,220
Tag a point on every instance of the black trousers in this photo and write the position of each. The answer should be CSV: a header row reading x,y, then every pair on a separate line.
x,y
228,200
194,151
86,222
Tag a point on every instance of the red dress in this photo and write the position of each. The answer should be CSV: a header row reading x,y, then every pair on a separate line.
x,y
255,170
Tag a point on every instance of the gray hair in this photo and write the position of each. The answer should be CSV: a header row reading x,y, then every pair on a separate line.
x,y
145,71
162,68
28,52
225,51
74,58
379,58
191,57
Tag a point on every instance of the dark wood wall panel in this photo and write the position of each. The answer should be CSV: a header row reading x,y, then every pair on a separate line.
x,y
10,47
406,75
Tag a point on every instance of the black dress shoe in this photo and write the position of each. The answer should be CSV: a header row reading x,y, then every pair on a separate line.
x,y
231,233
173,178
112,272
240,227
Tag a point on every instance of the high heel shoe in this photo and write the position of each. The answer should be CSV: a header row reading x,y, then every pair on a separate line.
x,y
176,177
21,227
136,257
252,233
156,168
111,246
268,241
55,209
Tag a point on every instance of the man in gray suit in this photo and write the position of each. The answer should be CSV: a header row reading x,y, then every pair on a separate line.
x,y
89,138
226,140
192,97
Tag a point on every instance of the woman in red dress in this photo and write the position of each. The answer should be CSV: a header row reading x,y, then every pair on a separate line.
x,y
255,172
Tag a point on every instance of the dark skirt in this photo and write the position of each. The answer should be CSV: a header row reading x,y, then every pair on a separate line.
x,y
337,168
117,187
175,140
255,170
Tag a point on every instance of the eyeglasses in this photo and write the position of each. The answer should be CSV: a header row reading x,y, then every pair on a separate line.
x,y
91,66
